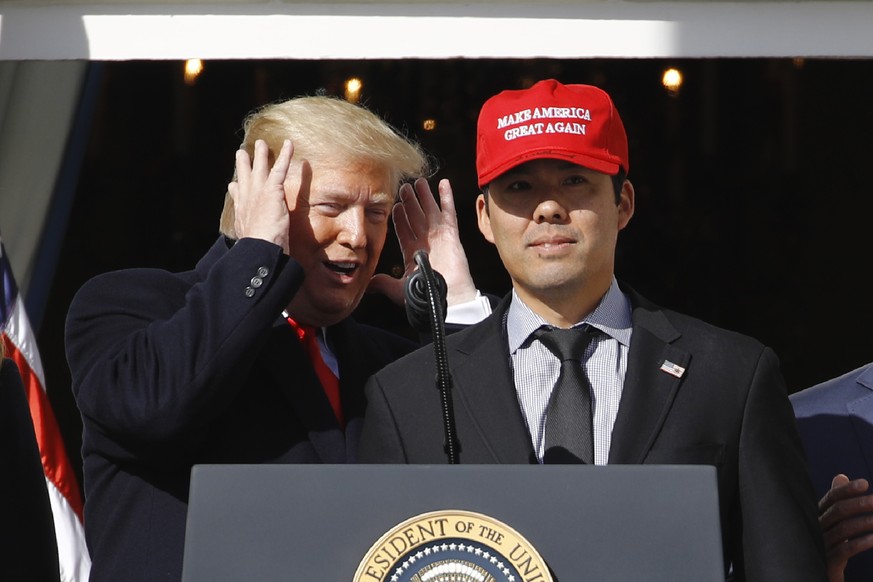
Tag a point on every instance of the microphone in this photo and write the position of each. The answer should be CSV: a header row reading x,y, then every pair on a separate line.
x,y
418,297
426,305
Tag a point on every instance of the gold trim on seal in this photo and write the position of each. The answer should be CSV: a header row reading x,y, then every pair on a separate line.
x,y
491,540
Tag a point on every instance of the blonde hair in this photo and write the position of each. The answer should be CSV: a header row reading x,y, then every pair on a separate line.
x,y
328,127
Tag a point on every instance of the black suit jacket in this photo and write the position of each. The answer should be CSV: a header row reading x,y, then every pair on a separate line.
x,y
171,370
729,409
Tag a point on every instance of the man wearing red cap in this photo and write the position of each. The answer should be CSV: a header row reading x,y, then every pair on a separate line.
x,y
574,367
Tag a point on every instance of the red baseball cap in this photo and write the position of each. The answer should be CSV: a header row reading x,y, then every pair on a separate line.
x,y
576,123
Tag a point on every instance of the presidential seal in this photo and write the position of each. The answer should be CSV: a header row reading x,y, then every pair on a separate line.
x,y
452,546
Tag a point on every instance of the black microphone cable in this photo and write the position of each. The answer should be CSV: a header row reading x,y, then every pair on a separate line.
x,y
425,293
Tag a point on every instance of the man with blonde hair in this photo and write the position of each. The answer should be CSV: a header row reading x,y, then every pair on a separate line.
x,y
252,356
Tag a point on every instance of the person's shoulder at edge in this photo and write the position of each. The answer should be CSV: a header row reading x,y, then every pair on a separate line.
x,y
825,391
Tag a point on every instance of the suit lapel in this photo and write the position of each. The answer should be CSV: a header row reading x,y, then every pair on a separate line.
x,y
648,391
861,413
484,389
294,376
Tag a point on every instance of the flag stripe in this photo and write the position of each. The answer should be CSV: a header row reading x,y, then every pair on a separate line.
x,y
61,482
73,557
57,467
22,350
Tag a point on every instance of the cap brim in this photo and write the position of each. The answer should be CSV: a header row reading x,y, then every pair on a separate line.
x,y
610,167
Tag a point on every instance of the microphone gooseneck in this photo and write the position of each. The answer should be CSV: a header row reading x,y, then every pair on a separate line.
x,y
426,303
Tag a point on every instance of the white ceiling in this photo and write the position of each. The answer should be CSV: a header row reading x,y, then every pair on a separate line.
x,y
64,29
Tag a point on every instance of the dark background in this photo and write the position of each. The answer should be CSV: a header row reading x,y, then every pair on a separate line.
x,y
753,199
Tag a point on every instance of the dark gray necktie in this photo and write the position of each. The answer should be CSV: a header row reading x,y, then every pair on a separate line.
x,y
569,416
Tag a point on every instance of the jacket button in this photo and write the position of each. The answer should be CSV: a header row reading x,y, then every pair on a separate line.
x,y
257,282
263,271
249,292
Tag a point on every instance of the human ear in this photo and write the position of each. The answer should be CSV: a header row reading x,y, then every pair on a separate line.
x,y
484,218
625,204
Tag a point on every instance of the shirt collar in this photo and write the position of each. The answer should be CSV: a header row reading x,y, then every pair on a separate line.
x,y
612,316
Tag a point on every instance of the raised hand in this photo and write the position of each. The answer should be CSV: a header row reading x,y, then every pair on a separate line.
x,y
420,223
260,208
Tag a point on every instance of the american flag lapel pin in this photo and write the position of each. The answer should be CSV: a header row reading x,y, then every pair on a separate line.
x,y
672,369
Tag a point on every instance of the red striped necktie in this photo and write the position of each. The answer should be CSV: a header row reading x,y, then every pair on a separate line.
x,y
308,336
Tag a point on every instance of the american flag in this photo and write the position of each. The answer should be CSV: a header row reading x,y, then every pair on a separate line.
x,y
672,369
63,489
